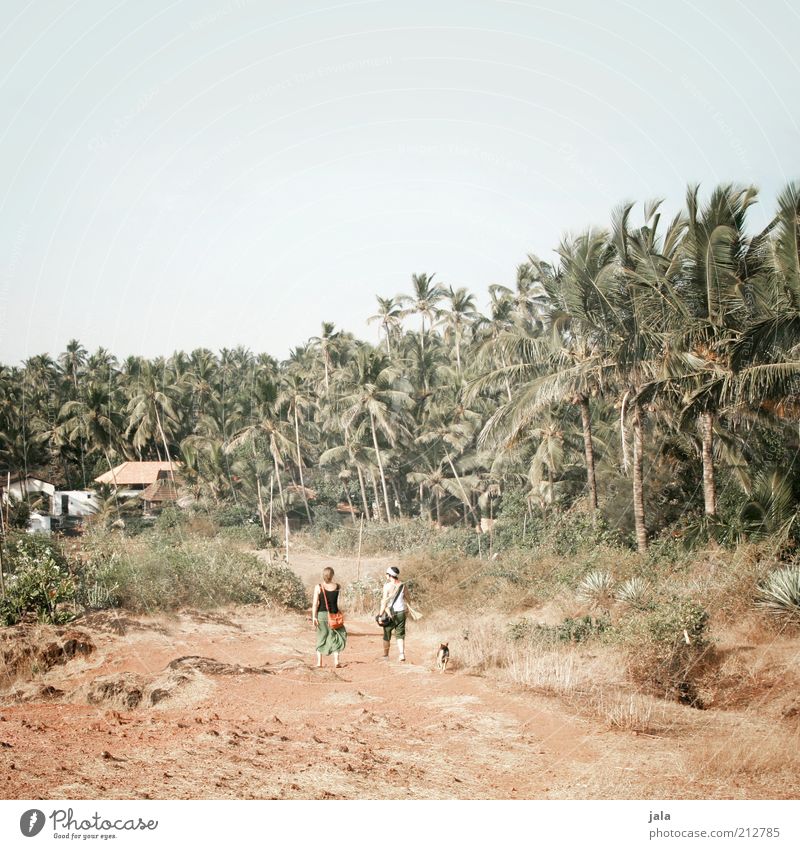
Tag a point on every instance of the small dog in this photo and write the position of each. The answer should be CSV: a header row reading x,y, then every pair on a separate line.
x,y
442,657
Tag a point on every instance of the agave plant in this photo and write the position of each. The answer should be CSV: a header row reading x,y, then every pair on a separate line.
x,y
780,593
597,588
635,592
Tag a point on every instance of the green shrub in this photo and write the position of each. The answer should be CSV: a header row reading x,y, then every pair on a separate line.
x,y
577,630
170,517
666,645
37,580
326,519
233,516
161,572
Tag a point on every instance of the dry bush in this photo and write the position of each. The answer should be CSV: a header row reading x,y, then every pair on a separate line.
x,y
629,711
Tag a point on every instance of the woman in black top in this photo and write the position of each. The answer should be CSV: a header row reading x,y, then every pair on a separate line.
x,y
326,600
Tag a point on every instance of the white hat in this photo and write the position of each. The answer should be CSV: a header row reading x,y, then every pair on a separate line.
x,y
393,572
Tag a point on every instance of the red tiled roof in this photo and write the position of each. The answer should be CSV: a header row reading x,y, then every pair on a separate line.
x,y
133,473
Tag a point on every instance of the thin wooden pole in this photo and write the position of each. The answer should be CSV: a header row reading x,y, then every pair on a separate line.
x,y
2,543
358,562
271,497
286,532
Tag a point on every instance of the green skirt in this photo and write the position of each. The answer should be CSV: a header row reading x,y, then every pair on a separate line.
x,y
329,640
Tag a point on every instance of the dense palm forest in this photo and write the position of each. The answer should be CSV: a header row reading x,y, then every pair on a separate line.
x,y
647,377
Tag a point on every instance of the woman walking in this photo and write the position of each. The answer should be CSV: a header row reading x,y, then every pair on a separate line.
x,y
394,602
326,601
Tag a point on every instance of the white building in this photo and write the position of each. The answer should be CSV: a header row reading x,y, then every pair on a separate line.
x,y
27,488
76,502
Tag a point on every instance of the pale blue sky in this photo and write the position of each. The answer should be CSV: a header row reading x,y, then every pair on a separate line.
x,y
186,174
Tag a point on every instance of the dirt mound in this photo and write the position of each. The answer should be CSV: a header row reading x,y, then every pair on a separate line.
x,y
187,677
29,650
209,666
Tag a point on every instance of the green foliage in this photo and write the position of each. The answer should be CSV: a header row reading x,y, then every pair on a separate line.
x,y
570,630
163,572
170,517
326,519
19,513
38,582
666,644
232,516
779,594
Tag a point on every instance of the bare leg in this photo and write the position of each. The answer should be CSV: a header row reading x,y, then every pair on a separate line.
x,y
386,648
319,659
401,649
336,659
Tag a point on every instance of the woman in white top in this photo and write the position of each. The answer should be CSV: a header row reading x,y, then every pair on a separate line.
x,y
394,601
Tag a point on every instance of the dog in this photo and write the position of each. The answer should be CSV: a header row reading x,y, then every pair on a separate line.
x,y
442,657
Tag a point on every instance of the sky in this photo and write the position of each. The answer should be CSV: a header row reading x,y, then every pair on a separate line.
x,y
187,174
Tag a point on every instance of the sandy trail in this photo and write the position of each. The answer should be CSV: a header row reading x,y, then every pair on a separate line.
x,y
262,722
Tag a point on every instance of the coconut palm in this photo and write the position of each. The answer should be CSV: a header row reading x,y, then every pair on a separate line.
x,y
389,316
374,391
423,301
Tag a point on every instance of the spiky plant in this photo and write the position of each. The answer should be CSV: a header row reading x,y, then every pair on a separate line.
x,y
779,594
597,588
635,592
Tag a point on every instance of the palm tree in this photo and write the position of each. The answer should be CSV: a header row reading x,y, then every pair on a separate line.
x,y
423,301
373,390
460,315
151,409
294,395
389,315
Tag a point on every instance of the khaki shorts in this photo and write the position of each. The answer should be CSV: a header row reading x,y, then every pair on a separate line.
x,y
398,626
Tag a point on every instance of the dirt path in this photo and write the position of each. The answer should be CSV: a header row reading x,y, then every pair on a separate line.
x,y
229,705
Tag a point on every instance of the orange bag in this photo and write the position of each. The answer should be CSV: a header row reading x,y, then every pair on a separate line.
x,y
335,620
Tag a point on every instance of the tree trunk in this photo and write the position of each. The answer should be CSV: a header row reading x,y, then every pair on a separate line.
x,y
114,478
638,488
380,467
460,485
438,512
588,448
258,490
709,482
364,499
300,463
166,447
280,485
377,510
350,505
397,499
505,375
623,436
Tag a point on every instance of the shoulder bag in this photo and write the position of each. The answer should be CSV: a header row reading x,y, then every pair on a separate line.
x,y
335,620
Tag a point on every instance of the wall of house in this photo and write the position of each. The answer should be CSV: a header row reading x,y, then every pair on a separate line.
x,y
80,502
32,488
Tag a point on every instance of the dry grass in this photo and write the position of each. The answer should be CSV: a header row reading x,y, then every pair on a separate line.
x,y
750,752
